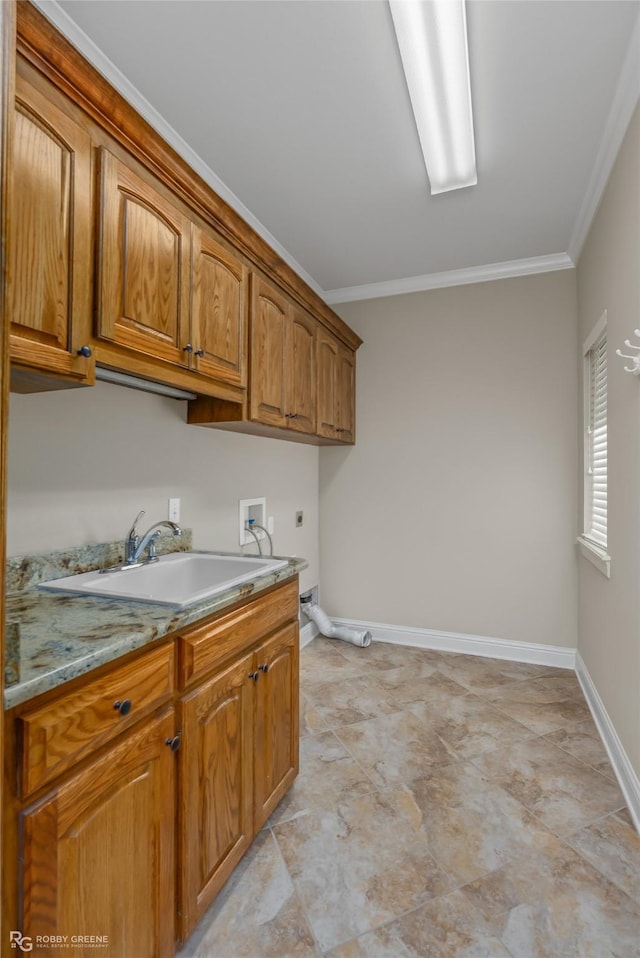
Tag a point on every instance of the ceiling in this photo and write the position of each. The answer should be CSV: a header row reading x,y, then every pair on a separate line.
x,y
296,111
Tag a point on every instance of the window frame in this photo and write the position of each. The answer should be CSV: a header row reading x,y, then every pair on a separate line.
x,y
596,551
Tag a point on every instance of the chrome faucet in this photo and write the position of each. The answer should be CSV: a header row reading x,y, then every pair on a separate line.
x,y
135,545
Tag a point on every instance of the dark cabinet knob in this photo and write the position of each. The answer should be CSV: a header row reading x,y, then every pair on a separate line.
x,y
254,675
173,743
199,352
84,351
123,707
264,668
188,348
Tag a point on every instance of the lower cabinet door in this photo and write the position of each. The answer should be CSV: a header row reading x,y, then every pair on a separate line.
x,y
216,786
277,720
97,853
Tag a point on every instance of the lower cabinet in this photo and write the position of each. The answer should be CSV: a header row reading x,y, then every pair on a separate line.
x,y
276,723
239,757
97,853
131,795
216,786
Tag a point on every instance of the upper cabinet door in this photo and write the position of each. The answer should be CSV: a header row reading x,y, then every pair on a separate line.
x,y
270,316
143,301
219,305
328,348
302,373
346,389
49,291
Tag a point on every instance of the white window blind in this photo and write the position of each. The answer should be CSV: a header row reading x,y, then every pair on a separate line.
x,y
596,444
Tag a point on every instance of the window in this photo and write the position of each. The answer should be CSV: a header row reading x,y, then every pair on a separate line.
x,y
594,537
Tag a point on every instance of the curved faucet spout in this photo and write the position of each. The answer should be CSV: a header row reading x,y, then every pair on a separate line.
x,y
148,540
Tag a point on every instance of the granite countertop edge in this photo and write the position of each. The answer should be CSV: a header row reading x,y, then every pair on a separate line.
x,y
61,636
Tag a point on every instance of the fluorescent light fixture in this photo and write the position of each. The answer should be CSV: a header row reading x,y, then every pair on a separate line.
x,y
432,37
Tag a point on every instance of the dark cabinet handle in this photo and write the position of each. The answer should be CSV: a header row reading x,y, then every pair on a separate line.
x,y
254,675
84,351
199,352
173,743
264,668
188,348
123,707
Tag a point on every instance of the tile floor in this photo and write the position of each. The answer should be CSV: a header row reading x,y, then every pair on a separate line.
x,y
447,806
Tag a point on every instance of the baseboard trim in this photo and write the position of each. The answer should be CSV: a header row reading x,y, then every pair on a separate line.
x,y
308,633
627,778
553,655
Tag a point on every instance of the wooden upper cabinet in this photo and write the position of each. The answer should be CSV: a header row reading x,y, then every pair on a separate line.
x,y
270,319
346,389
328,347
336,388
283,361
50,264
219,307
143,295
302,372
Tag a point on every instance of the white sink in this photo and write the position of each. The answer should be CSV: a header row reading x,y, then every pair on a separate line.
x,y
179,579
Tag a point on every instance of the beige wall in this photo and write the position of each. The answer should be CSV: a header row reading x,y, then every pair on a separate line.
x,y
456,510
609,609
82,463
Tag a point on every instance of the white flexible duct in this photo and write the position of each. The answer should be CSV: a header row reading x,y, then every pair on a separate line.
x,y
332,631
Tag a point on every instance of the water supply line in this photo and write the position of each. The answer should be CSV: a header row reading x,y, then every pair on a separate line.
x,y
312,610
250,525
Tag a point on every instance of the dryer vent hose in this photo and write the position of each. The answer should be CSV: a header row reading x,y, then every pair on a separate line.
x,y
332,631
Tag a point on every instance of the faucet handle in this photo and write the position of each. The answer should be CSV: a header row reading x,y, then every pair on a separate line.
x,y
131,540
132,531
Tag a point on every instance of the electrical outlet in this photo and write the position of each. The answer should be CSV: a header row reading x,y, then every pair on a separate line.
x,y
174,510
299,518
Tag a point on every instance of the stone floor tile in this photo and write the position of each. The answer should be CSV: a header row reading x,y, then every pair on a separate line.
x,y
408,686
447,927
256,913
469,725
352,700
382,656
395,748
359,865
584,743
471,824
321,662
561,791
311,722
328,775
612,845
484,675
551,903
543,704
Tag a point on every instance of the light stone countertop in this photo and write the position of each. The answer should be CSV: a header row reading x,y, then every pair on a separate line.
x,y
57,637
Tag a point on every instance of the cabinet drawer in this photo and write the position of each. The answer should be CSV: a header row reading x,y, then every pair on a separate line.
x,y
58,734
203,648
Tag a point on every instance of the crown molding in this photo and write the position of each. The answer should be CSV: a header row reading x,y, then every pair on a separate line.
x,y
452,277
622,106
85,45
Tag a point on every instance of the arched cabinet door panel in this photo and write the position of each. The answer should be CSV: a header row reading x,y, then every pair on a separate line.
x,y
97,855
50,256
143,274
219,308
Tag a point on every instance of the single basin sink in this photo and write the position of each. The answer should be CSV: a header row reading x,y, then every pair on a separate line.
x,y
179,579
